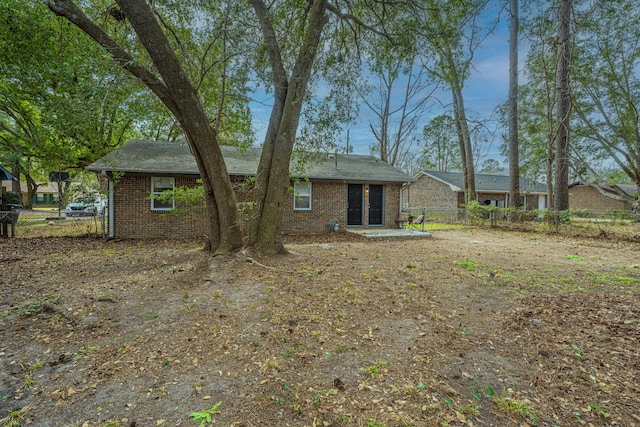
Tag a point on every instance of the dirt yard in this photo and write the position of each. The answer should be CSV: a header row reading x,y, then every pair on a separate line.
x,y
468,328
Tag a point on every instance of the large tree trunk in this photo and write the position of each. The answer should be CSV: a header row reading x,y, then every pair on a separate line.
x,y
272,180
514,166
16,170
466,151
178,95
32,187
561,189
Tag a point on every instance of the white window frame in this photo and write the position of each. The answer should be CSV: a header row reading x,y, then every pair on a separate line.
x,y
301,191
155,180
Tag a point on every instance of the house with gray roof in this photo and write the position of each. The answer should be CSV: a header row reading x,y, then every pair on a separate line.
x,y
445,190
350,190
595,199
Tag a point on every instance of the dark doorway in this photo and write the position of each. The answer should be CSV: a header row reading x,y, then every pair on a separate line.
x,y
354,204
376,204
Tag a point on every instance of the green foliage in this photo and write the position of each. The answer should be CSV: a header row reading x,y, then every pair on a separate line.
x,y
516,407
206,416
36,307
469,265
13,197
599,410
379,368
61,105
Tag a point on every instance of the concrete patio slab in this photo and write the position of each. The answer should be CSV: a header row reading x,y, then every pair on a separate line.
x,y
385,233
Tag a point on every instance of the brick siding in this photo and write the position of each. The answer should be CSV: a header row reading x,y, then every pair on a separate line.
x,y
585,197
134,219
430,193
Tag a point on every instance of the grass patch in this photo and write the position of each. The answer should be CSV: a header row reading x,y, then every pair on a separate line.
x,y
432,226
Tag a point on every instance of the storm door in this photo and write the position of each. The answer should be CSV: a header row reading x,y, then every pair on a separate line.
x,y
354,204
376,204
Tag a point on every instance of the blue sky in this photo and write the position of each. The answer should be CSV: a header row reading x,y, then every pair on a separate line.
x,y
486,88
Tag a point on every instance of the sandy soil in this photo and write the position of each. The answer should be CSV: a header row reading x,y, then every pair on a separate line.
x,y
468,328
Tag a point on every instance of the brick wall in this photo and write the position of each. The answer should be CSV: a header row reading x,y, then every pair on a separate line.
x,y
134,218
585,197
431,194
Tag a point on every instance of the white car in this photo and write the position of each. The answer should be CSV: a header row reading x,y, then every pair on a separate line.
x,y
81,206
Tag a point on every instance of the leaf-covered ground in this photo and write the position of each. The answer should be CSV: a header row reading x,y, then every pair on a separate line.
x,y
468,328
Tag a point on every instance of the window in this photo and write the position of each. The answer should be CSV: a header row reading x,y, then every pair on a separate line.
x,y
158,185
302,196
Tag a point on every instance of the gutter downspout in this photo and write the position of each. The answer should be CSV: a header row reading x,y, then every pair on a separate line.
x,y
112,234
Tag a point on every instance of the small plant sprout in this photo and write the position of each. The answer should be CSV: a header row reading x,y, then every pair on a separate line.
x,y
16,417
271,365
379,368
516,407
599,410
205,416
469,410
148,315
576,351
469,265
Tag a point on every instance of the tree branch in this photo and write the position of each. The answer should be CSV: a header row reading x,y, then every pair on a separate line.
x,y
69,10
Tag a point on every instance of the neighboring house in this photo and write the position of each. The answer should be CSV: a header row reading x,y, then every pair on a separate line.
x,y
46,195
445,190
354,190
584,196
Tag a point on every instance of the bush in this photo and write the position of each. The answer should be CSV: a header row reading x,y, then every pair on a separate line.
x,y
13,198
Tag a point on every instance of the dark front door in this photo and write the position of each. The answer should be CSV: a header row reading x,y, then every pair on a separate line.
x,y
354,204
376,203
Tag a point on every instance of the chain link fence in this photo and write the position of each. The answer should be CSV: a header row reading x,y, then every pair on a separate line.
x,y
494,217
51,223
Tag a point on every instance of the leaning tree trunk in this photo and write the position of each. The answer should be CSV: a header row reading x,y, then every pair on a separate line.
x,y
561,189
280,83
273,174
176,92
464,136
220,198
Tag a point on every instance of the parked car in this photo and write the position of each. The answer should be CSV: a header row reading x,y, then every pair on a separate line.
x,y
81,206
101,206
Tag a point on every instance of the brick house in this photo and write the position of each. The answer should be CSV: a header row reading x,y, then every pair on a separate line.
x,y
46,195
445,191
354,190
584,196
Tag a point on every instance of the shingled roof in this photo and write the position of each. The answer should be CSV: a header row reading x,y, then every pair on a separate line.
x,y
485,183
171,158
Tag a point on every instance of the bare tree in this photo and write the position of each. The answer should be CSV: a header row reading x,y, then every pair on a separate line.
x,y
452,31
